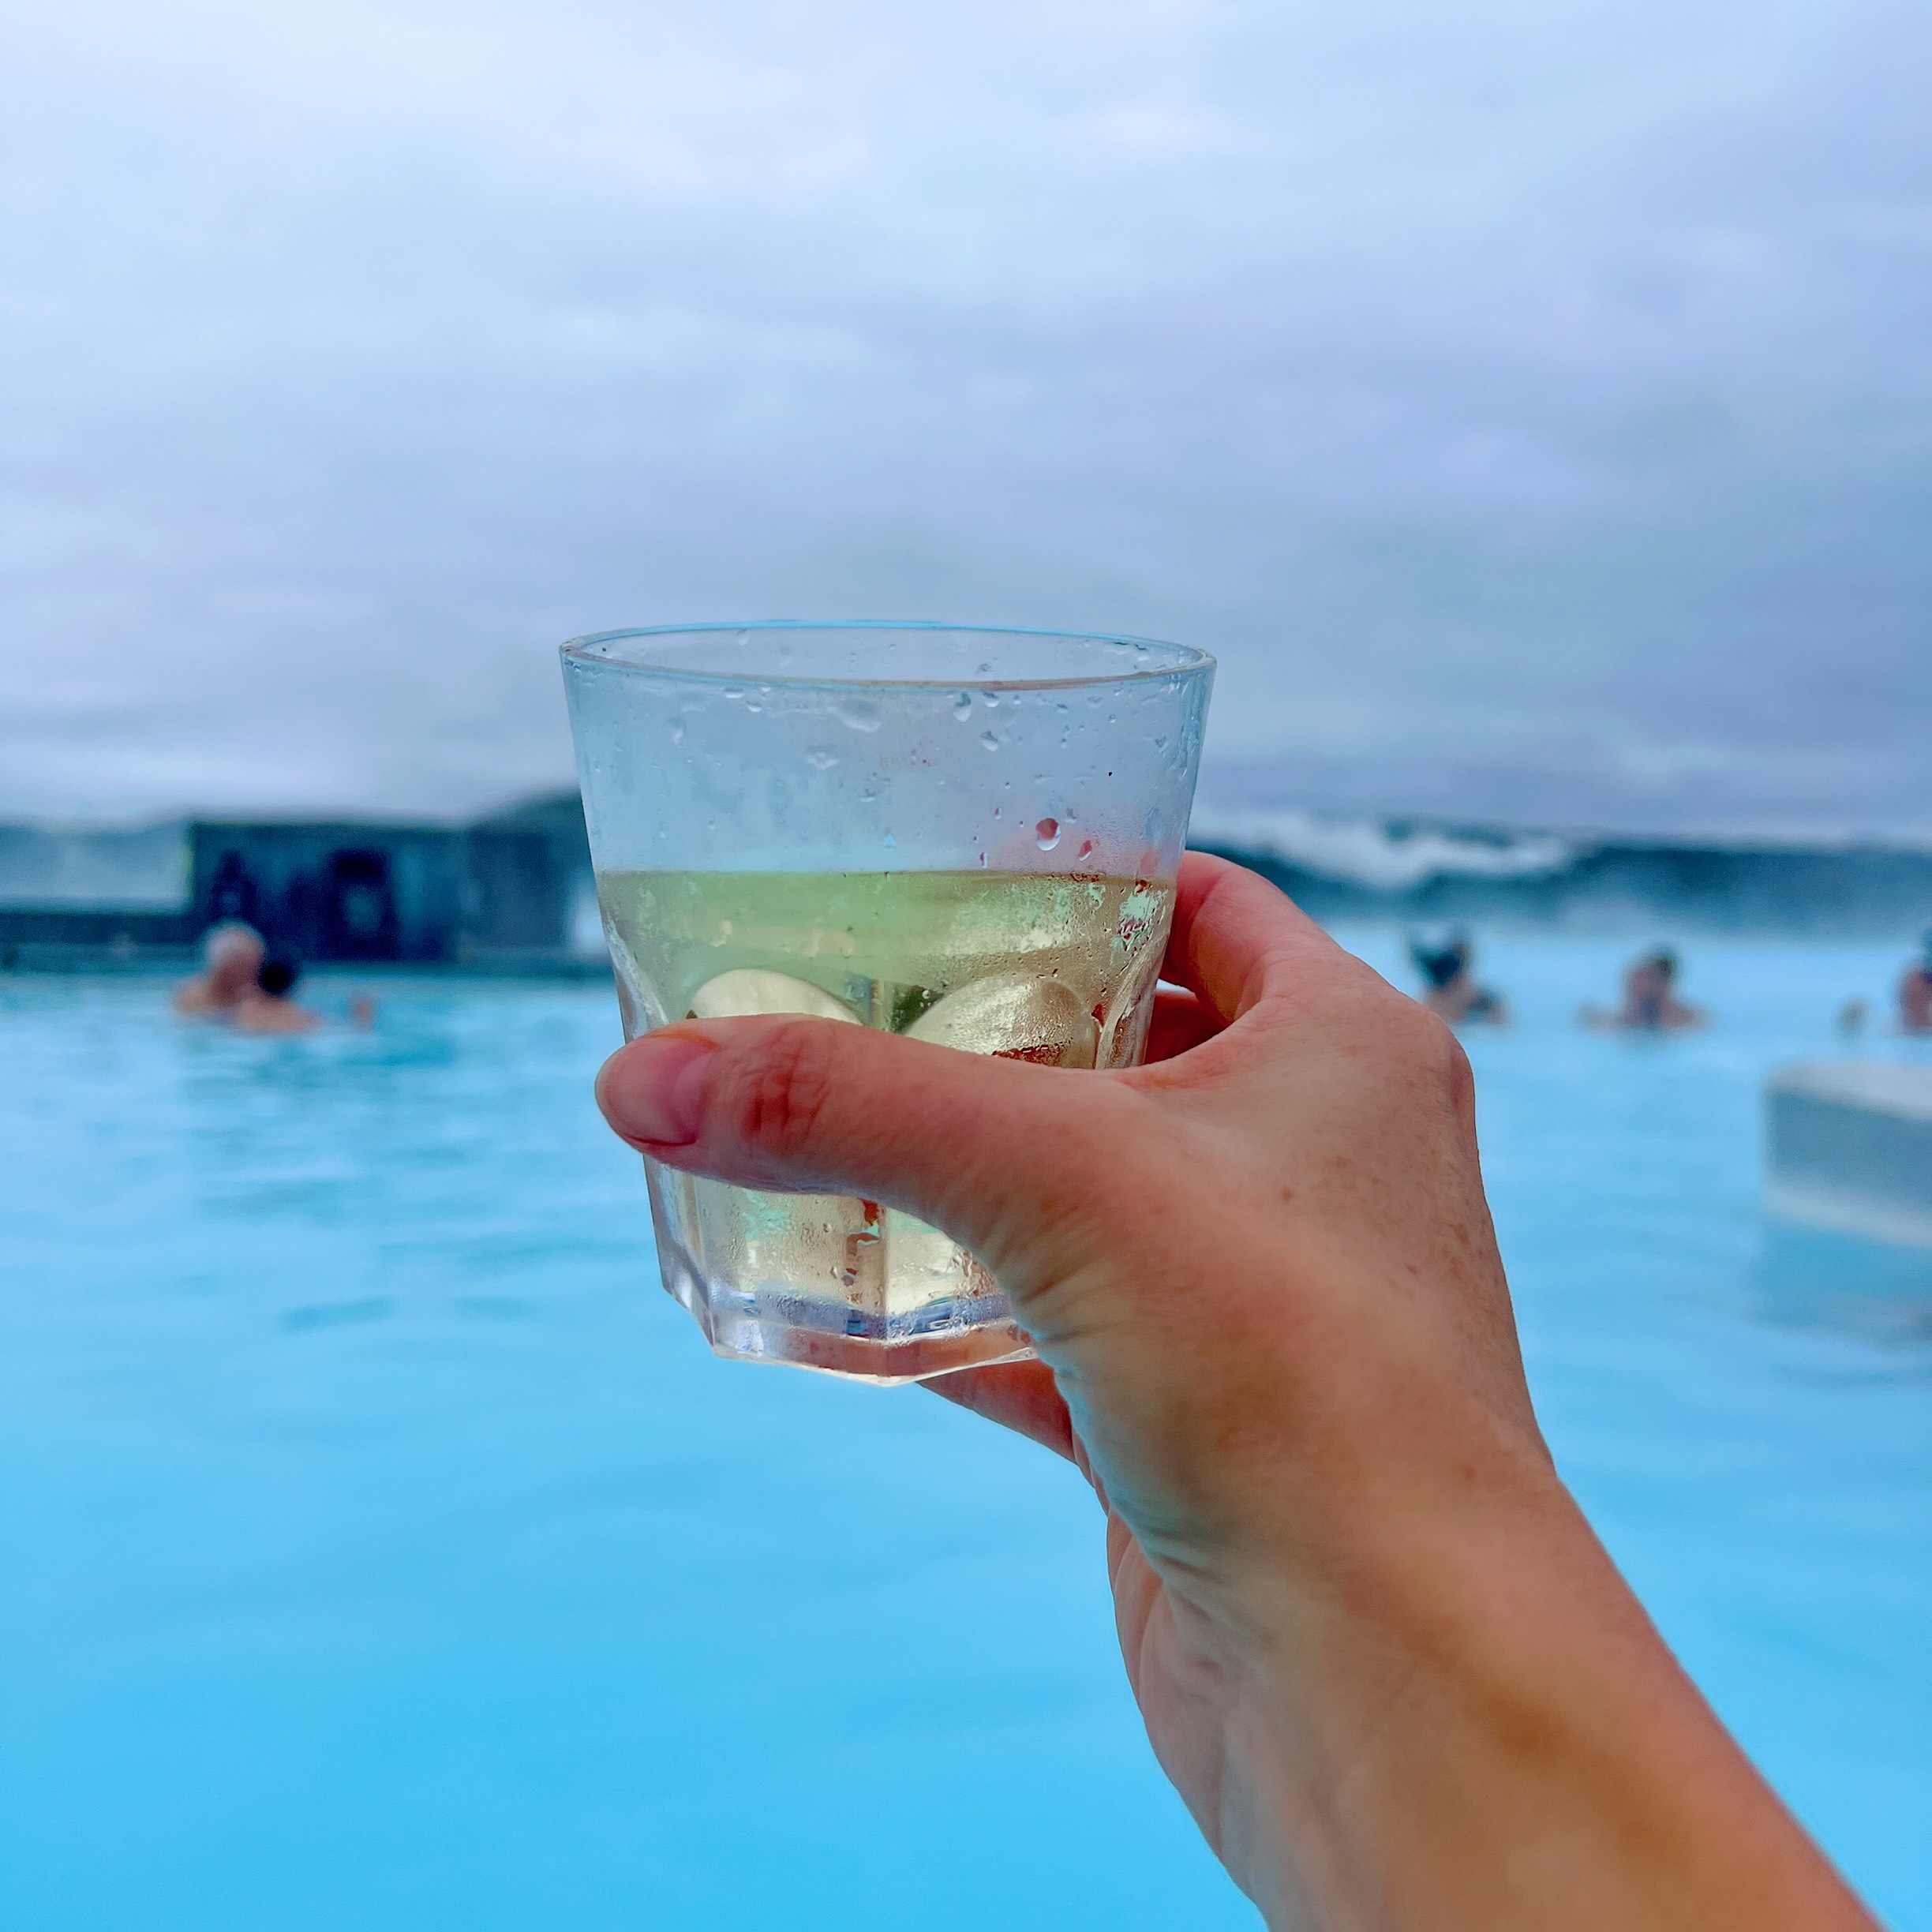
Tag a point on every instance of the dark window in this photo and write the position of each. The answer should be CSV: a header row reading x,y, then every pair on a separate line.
x,y
232,893
358,914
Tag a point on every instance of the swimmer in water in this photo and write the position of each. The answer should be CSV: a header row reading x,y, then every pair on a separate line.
x,y
1450,991
271,1009
231,956
1915,993
1650,1001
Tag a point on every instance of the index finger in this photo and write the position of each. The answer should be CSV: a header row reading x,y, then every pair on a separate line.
x,y
1236,939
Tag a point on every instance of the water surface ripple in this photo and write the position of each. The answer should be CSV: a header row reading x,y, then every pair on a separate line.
x,y
378,1547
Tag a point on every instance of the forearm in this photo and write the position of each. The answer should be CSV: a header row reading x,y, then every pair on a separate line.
x,y
1483,1732
1377,1648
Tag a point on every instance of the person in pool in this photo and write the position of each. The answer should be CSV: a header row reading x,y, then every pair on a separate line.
x,y
1450,989
1377,1646
273,1008
1650,1001
1915,993
231,956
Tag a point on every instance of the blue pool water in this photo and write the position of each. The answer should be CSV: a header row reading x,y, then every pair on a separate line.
x,y
378,1547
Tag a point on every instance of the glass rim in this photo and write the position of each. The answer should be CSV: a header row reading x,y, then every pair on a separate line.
x,y
1186,659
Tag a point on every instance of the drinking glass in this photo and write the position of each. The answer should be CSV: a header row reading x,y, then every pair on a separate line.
x,y
968,836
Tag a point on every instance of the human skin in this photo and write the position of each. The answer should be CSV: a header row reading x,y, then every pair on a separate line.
x,y
1915,999
268,1012
234,956
1377,1648
1651,1002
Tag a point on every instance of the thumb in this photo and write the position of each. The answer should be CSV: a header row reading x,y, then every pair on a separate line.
x,y
1021,1163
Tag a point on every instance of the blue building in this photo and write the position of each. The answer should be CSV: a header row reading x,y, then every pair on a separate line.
x,y
508,891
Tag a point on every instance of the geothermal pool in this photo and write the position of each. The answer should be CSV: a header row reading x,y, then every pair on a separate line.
x,y
379,1546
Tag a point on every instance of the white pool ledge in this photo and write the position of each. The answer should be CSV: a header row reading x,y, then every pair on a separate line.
x,y
1848,1146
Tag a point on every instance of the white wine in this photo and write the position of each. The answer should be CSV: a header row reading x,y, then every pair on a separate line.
x,y
1056,968
1049,966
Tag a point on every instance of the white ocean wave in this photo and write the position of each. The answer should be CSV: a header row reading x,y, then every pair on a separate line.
x,y
1367,852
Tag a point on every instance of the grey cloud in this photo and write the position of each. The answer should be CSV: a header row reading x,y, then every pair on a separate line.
x,y
1534,411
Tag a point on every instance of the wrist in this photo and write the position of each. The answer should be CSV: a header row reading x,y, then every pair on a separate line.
x,y
1478,1727
1414,1654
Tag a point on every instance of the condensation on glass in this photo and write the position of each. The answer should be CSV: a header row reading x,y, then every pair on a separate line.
x,y
967,836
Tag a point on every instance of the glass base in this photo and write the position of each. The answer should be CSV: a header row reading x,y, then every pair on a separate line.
x,y
780,1326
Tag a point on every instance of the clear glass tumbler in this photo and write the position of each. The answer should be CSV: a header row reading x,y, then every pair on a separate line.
x,y
968,836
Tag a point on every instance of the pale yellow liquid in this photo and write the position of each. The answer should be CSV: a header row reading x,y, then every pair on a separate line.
x,y
1053,968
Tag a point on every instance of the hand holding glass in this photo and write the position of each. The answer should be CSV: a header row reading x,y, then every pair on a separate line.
x,y
970,836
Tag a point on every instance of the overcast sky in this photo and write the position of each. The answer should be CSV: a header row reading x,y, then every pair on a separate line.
x,y
1531,403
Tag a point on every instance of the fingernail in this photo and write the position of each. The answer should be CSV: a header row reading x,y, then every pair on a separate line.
x,y
654,1089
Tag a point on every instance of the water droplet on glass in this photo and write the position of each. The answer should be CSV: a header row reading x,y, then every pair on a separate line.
x,y
989,739
860,714
820,759
677,734
734,694
985,670
962,706
1046,834
1086,850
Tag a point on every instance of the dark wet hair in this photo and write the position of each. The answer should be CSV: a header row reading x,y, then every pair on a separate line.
x,y
1439,965
279,975
1665,961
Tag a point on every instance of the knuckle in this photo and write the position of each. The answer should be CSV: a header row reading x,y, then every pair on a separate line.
x,y
1433,1056
1369,1016
1454,1076
781,1096
1405,1040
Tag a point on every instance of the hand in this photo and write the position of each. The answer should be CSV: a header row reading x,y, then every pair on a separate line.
x,y
1376,1647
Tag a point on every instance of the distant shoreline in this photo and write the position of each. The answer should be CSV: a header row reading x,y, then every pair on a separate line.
x,y
511,895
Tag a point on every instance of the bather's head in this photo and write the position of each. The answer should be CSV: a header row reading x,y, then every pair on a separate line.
x,y
232,955
278,975
1442,965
